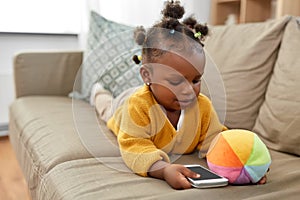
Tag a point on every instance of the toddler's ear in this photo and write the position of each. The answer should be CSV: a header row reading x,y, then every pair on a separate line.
x,y
145,74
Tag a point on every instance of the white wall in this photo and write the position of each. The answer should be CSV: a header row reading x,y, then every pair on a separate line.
x,y
10,44
146,12
6,95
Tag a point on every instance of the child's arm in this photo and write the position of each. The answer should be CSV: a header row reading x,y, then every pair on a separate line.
x,y
174,174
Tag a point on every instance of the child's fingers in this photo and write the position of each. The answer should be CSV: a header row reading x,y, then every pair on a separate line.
x,y
185,184
189,173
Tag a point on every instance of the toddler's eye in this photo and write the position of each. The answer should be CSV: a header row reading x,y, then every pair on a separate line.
x,y
197,81
175,82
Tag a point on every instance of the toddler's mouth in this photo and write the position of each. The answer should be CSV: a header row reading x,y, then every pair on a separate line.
x,y
186,102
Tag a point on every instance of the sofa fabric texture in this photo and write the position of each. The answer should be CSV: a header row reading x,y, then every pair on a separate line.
x,y
51,71
245,56
282,103
99,181
66,153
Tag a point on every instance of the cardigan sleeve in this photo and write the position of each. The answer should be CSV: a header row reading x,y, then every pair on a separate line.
x,y
132,125
139,154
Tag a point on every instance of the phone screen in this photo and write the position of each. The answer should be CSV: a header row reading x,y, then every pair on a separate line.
x,y
205,174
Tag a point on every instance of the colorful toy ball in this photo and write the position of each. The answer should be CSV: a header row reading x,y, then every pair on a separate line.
x,y
239,155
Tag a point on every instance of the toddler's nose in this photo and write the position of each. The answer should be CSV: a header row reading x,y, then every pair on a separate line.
x,y
187,89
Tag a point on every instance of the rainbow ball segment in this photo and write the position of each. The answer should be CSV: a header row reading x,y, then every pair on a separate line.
x,y
239,155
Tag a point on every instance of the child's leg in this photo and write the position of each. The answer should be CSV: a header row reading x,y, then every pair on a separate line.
x,y
104,102
119,100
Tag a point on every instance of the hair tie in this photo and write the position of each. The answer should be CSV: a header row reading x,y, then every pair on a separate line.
x,y
197,35
172,31
140,58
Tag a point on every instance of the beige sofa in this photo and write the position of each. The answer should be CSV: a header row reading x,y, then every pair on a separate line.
x,y
65,154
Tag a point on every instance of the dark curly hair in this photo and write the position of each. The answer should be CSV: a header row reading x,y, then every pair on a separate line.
x,y
171,32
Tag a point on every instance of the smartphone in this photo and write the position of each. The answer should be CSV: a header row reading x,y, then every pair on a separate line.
x,y
207,178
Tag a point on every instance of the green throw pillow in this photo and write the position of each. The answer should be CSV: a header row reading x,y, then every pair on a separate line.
x,y
108,58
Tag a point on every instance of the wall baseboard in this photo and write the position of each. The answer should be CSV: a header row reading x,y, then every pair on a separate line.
x,y
3,129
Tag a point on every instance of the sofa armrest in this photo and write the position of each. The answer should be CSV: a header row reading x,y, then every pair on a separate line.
x,y
46,73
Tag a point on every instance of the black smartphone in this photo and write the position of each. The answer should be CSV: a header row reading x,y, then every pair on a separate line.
x,y
207,178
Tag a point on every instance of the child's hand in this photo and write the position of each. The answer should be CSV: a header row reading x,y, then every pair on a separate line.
x,y
175,175
263,180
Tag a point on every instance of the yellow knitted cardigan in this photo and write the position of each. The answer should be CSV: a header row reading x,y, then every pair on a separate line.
x,y
145,135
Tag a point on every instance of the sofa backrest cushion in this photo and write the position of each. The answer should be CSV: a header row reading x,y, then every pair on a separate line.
x,y
245,55
278,122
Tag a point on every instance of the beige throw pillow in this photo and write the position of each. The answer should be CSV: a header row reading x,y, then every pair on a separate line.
x,y
245,55
278,122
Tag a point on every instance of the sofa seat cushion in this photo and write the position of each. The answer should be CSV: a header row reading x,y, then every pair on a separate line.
x,y
44,134
91,179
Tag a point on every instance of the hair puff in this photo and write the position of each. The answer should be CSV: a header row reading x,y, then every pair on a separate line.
x,y
139,35
203,29
173,9
136,59
190,22
169,23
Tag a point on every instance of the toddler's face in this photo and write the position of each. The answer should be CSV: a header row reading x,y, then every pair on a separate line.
x,y
176,81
